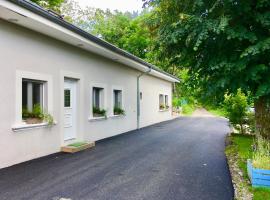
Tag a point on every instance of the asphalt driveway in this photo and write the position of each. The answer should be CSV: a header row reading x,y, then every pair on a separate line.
x,y
181,159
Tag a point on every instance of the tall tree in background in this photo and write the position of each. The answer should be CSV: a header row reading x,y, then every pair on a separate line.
x,y
226,43
50,4
125,30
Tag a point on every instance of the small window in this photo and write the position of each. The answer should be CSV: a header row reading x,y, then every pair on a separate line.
x,y
98,102
117,103
97,97
166,101
161,102
67,98
32,100
117,98
140,95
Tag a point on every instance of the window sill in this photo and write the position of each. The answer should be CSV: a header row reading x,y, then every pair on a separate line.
x,y
164,110
23,126
92,119
117,116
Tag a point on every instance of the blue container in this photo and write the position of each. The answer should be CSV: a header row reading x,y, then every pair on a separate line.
x,y
258,177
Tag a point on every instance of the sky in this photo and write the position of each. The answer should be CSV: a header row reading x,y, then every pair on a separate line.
x,y
122,5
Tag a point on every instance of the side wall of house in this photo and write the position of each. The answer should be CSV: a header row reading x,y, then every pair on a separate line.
x,y
25,52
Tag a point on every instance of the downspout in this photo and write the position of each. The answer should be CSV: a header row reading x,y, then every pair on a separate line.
x,y
138,96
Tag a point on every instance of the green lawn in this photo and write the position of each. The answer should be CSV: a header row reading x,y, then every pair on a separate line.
x,y
218,111
242,145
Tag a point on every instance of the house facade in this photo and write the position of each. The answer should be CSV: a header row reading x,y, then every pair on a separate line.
x,y
92,89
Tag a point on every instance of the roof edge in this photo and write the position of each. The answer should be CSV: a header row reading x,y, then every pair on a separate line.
x,y
56,19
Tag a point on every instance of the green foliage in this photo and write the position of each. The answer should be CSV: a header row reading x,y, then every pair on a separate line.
x,y
118,111
99,112
217,110
242,146
48,118
188,109
236,107
37,112
77,144
50,4
261,156
224,43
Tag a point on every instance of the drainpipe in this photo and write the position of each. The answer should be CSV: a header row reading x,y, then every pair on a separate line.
x,y
138,96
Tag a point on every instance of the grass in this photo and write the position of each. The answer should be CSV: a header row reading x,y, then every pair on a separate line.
x,y
218,111
242,145
77,144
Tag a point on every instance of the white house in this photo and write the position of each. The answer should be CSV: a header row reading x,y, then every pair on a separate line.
x,y
48,64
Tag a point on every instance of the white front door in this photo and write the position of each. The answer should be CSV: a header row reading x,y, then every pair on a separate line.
x,y
70,105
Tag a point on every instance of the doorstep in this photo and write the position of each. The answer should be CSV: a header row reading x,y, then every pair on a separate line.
x,y
73,149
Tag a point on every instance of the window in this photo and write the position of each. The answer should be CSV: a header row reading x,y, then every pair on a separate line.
x,y
161,102
32,100
97,97
166,101
117,103
67,100
117,98
98,102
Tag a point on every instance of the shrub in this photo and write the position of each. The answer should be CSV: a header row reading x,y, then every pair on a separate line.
x,y
118,111
261,156
188,109
236,107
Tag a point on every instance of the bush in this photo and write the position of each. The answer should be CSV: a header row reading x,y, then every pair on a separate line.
x,y
188,109
236,107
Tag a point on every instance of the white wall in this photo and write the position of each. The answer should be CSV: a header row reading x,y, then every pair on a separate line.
x,y
24,50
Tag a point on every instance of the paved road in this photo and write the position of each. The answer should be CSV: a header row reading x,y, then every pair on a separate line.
x,y
181,159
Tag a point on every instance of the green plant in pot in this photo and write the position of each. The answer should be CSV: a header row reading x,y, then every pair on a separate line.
x,y
97,112
34,117
118,111
161,107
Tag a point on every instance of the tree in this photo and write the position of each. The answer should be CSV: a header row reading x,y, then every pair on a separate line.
x,y
125,30
49,4
226,43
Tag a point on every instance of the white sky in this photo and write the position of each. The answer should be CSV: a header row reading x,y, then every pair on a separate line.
x,y
122,5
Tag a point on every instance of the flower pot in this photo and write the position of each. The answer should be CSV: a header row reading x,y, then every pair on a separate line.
x,y
33,121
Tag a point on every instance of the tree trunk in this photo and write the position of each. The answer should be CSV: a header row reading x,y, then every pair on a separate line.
x,y
262,116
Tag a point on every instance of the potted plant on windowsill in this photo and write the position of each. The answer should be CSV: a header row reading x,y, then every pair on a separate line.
x,y
97,112
36,116
118,111
161,107
259,166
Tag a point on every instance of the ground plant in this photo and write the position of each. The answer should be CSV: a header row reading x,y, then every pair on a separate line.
x,y
236,107
261,155
243,147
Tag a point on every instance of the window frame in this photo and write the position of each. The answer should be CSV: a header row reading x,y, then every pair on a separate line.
x,y
103,99
119,88
43,95
47,92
